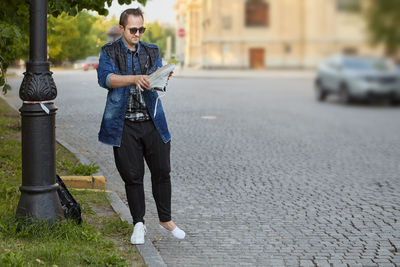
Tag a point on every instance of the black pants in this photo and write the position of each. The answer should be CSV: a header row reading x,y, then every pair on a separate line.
x,y
141,140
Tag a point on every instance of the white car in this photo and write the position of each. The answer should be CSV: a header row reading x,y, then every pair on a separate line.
x,y
358,78
79,64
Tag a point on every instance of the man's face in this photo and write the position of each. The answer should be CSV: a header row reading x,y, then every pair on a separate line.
x,y
131,39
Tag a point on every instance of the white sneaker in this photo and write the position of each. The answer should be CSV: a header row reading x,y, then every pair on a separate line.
x,y
177,232
139,231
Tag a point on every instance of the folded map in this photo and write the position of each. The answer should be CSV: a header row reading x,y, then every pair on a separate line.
x,y
159,78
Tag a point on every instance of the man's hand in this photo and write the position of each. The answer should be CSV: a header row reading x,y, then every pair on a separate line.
x,y
141,82
170,74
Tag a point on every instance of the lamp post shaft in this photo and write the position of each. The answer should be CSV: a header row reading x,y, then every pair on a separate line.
x,y
38,31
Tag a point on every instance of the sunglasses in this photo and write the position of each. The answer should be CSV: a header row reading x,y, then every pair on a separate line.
x,y
134,30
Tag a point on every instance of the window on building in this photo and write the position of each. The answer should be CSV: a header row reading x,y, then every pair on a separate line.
x,y
288,48
348,5
257,13
349,50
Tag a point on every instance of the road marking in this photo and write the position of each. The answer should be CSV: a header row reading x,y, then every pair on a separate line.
x,y
209,117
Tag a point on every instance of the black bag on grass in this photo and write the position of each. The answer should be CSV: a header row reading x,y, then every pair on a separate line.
x,y
71,208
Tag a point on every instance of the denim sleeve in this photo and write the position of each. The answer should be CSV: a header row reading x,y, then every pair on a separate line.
x,y
105,70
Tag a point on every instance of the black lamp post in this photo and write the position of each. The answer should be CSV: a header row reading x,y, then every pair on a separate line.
x,y
39,199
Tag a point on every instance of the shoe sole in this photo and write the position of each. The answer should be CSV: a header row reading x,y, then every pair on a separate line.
x,y
137,242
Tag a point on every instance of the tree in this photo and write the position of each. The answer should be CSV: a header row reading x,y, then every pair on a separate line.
x,y
13,32
156,34
69,38
63,34
77,37
14,25
99,32
348,5
382,18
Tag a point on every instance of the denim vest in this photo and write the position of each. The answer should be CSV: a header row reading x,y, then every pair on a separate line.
x,y
116,58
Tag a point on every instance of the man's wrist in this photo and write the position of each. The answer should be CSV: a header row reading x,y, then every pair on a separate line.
x,y
133,79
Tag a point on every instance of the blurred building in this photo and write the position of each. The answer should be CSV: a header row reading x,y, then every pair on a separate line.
x,y
268,33
113,33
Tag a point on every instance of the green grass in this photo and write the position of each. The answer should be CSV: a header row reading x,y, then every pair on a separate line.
x,y
76,168
102,240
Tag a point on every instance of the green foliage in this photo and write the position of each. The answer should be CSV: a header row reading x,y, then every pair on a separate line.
x,y
116,225
348,5
78,168
56,7
62,243
76,37
87,209
71,38
9,198
14,30
63,35
9,258
155,34
91,257
26,243
173,61
99,32
99,198
10,154
382,17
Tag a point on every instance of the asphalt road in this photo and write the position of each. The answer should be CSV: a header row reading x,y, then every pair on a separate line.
x,y
262,174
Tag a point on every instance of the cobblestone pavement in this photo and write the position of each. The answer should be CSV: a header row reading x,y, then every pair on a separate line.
x,y
263,175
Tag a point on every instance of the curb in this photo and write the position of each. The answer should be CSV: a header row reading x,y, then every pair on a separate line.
x,y
147,251
85,182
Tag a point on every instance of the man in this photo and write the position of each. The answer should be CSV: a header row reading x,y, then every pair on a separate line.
x,y
131,124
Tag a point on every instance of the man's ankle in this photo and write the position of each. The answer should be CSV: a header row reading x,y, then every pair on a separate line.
x,y
170,225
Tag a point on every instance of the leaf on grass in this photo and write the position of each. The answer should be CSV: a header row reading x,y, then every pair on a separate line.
x,y
6,88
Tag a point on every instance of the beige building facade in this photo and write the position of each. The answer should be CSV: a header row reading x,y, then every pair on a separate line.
x,y
263,34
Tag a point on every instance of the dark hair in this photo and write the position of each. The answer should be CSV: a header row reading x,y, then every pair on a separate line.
x,y
123,19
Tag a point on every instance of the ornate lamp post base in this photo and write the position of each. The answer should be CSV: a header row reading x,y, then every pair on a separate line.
x,y
39,203
39,199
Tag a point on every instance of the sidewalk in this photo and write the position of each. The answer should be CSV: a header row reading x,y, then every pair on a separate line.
x,y
15,71
245,73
